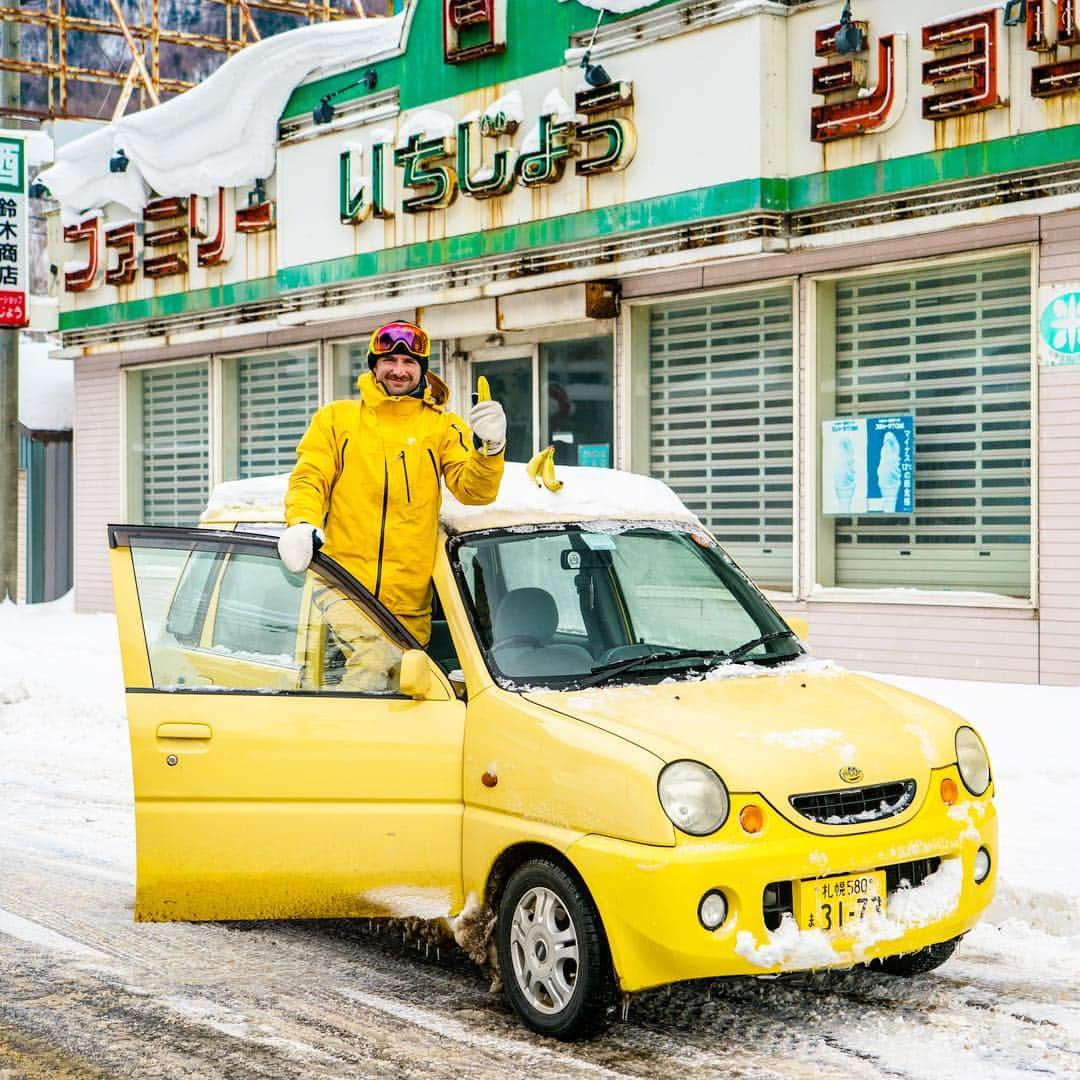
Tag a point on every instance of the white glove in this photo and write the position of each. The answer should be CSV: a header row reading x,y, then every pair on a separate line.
x,y
488,422
297,546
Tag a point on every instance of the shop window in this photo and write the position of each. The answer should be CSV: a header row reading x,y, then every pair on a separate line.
x,y
350,362
168,424
576,401
268,400
721,420
949,346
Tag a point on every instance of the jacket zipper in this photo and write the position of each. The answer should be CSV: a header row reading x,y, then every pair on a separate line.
x,y
431,457
382,527
460,438
405,471
330,493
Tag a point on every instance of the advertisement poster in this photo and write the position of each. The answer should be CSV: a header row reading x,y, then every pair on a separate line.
x,y
868,465
14,258
1059,324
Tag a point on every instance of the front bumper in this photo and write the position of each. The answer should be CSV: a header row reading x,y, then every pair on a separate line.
x,y
648,897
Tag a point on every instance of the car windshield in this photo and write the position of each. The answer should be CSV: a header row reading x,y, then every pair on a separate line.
x,y
572,606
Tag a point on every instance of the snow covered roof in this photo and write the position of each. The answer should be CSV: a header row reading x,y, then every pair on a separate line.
x,y
586,495
221,133
46,388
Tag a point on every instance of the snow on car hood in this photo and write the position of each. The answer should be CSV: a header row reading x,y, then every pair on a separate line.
x,y
778,731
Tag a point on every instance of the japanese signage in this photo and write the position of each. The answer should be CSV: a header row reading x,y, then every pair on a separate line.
x,y
473,28
14,258
1059,324
868,465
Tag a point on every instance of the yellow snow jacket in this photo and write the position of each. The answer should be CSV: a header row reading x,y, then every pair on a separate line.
x,y
368,472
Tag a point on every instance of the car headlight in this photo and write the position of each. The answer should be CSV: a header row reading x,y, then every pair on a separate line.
x,y
972,761
693,797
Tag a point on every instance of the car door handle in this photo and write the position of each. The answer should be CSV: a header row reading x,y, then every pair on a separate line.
x,y
184,731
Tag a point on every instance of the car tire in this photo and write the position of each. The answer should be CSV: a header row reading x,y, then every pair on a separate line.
x,y
918,963
553,955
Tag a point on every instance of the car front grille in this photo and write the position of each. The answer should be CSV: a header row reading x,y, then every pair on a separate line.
x,y
777,896
852,806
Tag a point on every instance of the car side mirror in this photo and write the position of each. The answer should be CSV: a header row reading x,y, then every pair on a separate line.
x,y
800,625
415,674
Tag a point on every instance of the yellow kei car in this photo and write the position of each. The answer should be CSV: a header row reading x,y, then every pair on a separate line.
x,y
612,741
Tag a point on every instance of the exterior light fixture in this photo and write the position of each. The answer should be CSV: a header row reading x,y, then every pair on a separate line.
x,y
595,75
38,190
849,38
323,113
257,195
1015,12
118,162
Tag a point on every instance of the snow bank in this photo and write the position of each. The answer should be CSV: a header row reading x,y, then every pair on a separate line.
x,y
586,495
221,133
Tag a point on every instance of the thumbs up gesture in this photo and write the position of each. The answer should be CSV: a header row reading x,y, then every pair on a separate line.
x,y
487,420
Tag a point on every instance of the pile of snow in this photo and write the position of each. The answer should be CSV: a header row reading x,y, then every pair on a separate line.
x,y
46,388
222,133
586,495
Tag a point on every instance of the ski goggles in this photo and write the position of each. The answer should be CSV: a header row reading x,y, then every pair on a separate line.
x,y
397,337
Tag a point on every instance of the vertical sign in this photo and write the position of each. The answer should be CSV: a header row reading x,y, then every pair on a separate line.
x,y
14,257
868,465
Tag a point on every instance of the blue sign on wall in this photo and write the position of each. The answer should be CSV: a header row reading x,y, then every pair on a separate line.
x,y
868,465
594,455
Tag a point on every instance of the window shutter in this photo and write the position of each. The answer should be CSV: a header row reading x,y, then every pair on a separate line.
x,y
277,395
175,443
721,421
952,346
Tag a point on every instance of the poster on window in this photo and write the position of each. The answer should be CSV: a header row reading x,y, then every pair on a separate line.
x,y
1059,324
868,465
14,258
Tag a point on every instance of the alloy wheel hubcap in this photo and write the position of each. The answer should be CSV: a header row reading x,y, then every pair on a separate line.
x,y
544,950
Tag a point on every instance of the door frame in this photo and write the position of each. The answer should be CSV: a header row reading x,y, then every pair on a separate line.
x,y
510,352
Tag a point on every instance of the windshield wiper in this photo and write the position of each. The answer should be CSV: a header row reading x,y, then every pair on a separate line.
x,y
736,655
604,672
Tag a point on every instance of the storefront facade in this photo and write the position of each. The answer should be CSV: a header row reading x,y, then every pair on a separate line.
x,y
733,265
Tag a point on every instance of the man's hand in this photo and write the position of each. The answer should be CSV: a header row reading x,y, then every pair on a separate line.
x,y
488,422
297,546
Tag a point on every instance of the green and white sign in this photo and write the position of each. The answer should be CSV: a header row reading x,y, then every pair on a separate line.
x,y
1059,325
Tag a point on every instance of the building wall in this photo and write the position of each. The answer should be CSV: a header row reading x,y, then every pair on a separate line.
x,y
20,524
99,469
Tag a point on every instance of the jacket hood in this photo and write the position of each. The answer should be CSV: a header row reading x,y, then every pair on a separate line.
x,y
436,392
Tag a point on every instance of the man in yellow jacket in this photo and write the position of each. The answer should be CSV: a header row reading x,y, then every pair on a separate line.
x,y
368,472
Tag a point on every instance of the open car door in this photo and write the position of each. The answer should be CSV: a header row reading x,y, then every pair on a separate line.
x,y
279,770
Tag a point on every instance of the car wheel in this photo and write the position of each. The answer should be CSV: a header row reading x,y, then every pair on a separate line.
x,y
918,963
553,956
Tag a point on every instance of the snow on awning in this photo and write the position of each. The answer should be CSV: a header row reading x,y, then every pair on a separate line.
x,y
221,133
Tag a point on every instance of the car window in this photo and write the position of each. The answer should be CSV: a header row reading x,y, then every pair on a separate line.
x,y
256,627
539,564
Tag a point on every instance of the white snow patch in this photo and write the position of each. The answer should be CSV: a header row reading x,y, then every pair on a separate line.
x,y
221,133
788,947
434,123
812,740
554,105
511,106
617,7
407,901
41,936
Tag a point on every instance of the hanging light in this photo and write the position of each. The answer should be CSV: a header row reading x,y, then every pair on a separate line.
x,y
118,162
323,113
849,38
595,75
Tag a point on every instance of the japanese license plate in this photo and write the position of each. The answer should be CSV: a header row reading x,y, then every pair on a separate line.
x,y
834,903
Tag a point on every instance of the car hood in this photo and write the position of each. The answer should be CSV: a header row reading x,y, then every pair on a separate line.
x,y
778,731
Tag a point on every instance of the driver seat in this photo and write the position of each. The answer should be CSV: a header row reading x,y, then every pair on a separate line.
x,y
524,624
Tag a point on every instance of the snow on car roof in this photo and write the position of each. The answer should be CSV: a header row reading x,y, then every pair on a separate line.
x,y
586,495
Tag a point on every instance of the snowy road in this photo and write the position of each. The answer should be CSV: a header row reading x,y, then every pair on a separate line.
x,y
86,992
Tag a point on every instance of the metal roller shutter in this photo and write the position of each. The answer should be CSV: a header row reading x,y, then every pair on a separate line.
x,y
951,345
175,458
721,400
277,395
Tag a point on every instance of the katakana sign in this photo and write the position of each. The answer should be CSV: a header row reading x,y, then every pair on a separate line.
x,y
14,258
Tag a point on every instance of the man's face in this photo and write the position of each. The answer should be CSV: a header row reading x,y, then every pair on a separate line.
x,y
398,374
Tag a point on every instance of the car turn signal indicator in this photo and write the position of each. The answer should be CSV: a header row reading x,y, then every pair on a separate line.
x,y
949,791
752,818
